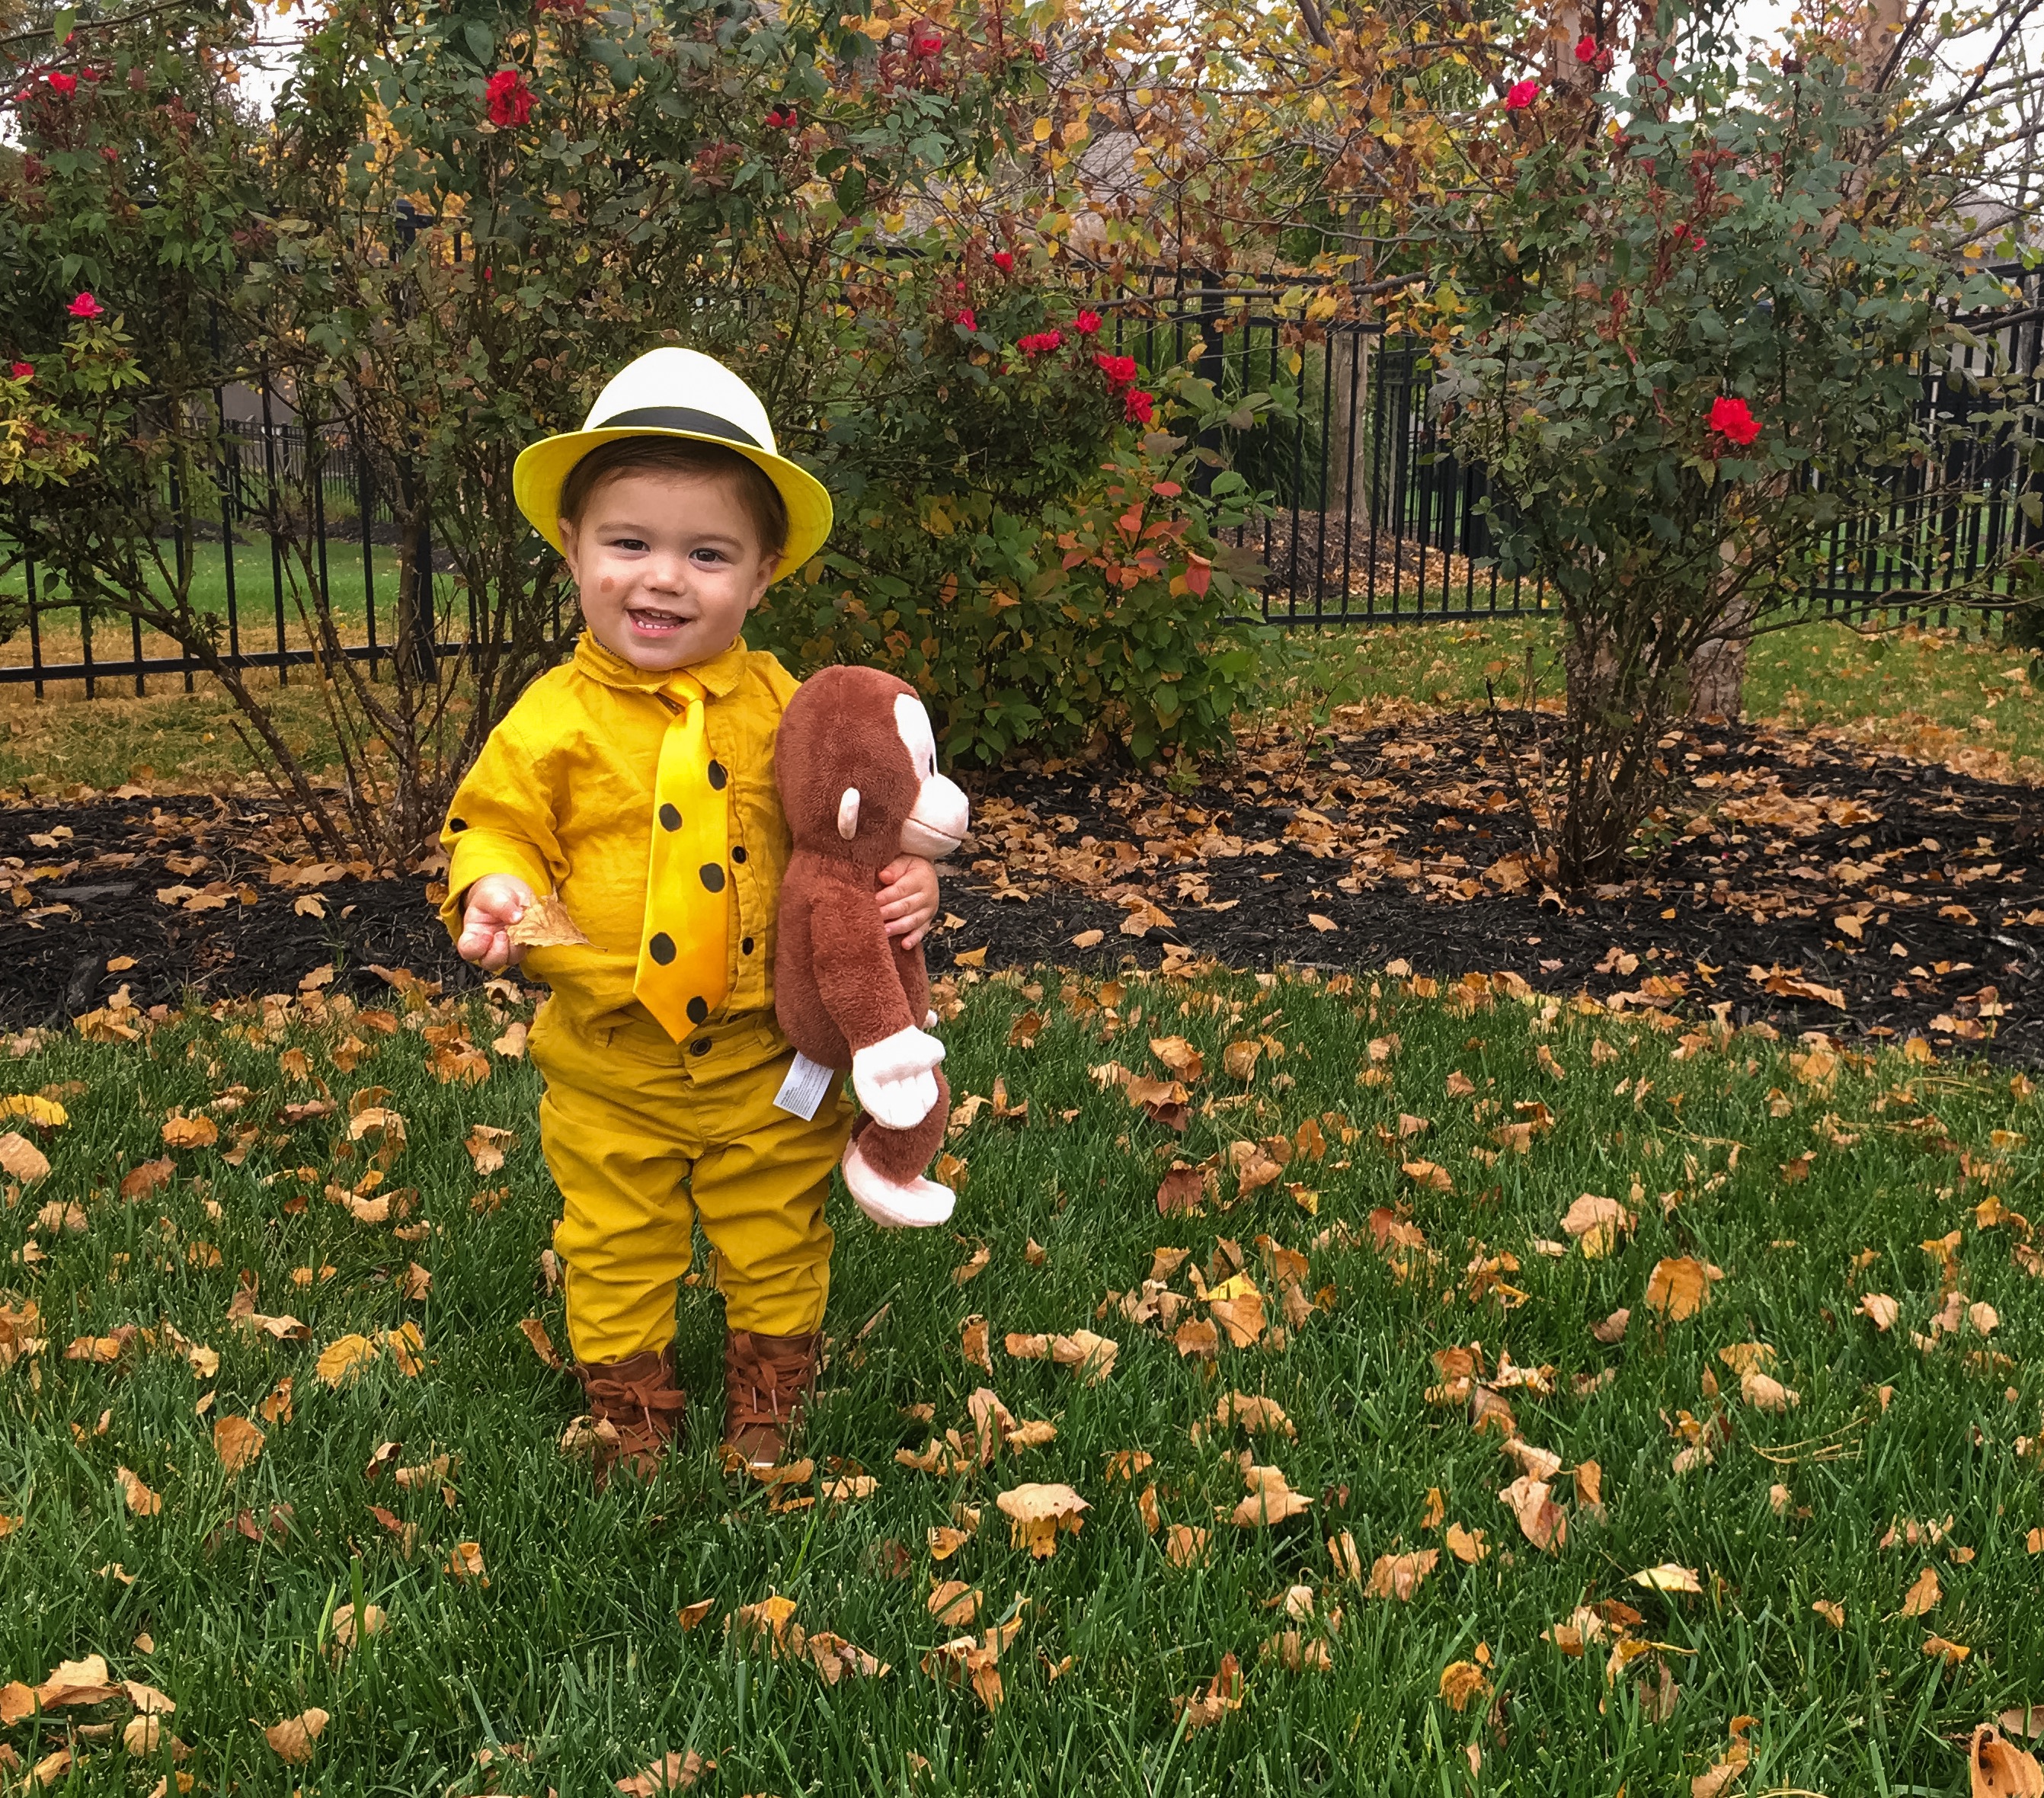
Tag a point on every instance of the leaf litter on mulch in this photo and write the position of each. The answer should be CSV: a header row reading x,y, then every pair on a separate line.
x,y
1803,882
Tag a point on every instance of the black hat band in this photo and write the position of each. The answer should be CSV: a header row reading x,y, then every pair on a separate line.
x,y
680,418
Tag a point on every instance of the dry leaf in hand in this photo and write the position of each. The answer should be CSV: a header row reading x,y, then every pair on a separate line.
x,y
545,924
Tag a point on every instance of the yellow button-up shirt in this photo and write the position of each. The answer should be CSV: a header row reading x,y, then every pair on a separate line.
x,y
562,796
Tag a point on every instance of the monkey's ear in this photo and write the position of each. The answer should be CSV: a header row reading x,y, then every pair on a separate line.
x,y
847,814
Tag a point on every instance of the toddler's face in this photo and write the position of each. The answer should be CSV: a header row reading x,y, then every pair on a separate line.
x,y
668,565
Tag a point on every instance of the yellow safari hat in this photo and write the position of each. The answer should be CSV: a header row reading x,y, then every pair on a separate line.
x,y
676,393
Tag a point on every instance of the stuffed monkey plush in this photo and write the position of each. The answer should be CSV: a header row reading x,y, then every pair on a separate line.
x,y
857,763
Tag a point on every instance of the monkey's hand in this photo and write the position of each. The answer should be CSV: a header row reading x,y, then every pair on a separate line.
x,y
896,1078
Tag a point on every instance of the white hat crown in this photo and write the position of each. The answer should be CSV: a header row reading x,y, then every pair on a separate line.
x,y
674,389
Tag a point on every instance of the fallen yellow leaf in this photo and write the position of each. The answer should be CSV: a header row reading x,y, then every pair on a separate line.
x,y
292,1740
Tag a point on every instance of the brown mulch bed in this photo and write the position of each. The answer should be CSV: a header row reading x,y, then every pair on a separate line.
x,y
1374,840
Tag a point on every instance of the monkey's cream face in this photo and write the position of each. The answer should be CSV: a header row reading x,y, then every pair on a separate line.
x,y
942,814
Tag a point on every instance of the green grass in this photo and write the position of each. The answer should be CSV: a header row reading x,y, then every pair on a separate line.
x,y
1933,695
1928,693
574,1650
255,593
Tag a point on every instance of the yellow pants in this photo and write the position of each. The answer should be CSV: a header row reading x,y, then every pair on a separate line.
x,y
643,1135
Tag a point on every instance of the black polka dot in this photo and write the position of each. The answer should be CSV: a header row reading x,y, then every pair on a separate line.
x,y
697,1011
717,776
662,947
712,877
745,948
457,824
670,818
738,855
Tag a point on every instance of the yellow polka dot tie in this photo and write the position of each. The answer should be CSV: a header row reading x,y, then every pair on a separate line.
x,y
682,974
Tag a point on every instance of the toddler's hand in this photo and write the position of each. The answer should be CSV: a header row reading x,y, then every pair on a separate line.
x,y
495,903
908,898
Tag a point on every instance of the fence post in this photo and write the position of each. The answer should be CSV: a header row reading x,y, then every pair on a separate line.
x,y
273,505
417,640
35,626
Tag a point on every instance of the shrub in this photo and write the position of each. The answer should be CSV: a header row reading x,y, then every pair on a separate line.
x,y
1055,585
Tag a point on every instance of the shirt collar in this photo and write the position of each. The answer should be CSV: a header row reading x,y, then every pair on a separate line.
x,y
718,675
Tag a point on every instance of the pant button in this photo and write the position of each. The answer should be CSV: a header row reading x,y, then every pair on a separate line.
x,y
700,1046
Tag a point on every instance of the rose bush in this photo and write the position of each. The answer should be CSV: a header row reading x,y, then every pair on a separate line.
x,y
460,225
1682,330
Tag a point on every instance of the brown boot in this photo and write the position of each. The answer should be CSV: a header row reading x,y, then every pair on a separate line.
x,y
639,1399
767,1381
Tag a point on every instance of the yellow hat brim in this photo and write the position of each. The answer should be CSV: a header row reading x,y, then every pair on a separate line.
x,y
543,468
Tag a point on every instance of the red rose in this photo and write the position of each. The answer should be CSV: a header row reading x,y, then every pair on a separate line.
x,y
510,99
89,74
1119,370
927,45
62,83
85,306
1087,323
1586,50
1731,418
1520,95
1040,343
1136,405
22,371
1004,262
963,318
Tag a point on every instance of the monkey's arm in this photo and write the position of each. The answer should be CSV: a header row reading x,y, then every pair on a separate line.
x,y
892,1061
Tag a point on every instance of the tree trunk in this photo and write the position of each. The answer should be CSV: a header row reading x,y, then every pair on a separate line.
x,y
1717,679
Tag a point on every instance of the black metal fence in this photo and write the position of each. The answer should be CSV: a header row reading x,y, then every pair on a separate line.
x,y
1373,521
1370,520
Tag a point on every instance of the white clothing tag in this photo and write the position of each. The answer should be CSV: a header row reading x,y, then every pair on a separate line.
x,y
804,1088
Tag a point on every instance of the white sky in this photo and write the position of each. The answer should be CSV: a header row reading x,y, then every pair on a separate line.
x,y
1757,19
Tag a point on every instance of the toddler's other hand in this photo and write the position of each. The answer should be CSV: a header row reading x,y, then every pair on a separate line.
x,y
495,903
908,898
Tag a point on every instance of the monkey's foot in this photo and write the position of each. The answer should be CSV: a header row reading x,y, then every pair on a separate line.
x,y
916,1203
